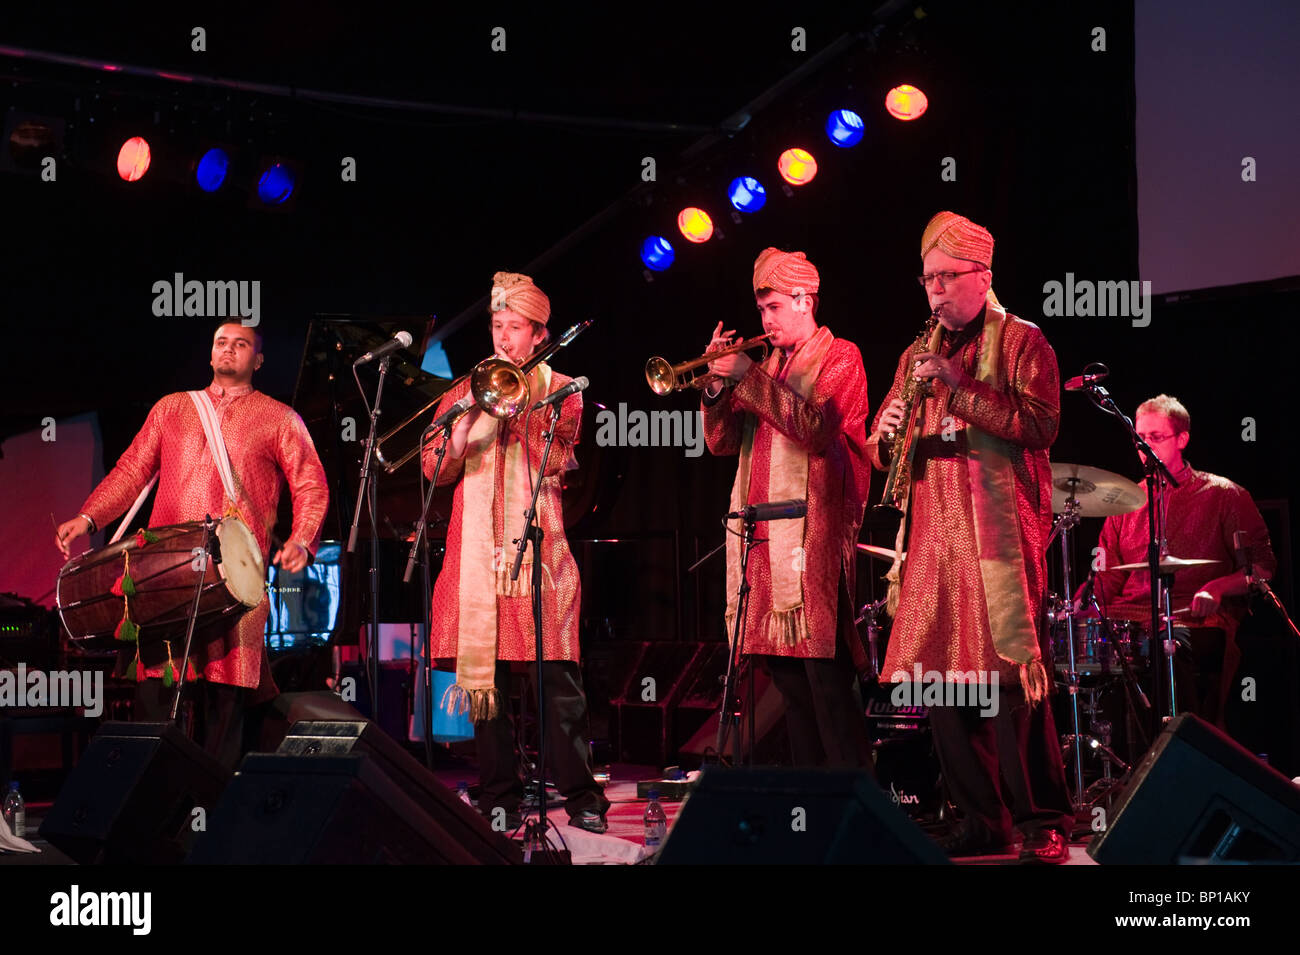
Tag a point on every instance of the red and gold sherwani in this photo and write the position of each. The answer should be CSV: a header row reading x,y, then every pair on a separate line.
x,y
830,428
560,586
942,620
267,444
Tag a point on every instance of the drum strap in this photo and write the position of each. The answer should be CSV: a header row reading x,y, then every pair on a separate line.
x,y
130,515
216,443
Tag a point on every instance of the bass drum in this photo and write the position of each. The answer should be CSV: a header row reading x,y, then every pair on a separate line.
x,y
164,573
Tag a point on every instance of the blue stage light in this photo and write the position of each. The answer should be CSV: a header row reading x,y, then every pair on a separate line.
x,y
657,253
747,194
275,185
844,127
212,168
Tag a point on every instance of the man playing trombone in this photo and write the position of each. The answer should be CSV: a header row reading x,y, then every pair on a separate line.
x,y
481,618
798,422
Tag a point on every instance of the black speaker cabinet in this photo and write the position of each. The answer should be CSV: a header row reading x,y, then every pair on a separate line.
x,y
793,817
345,793
131,798
1197,796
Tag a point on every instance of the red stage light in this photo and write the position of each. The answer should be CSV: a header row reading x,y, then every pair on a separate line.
x,y
133,159
906,102
797,166
695,224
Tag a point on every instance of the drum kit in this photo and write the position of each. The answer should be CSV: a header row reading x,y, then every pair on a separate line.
x,y
1091,651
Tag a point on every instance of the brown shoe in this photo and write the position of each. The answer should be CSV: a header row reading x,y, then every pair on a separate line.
x,y
1045,847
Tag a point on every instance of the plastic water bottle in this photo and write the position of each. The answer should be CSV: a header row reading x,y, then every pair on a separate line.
x,y
462,790
656,823
15,811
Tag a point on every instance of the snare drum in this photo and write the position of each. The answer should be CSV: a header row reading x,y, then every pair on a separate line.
x,y
1093,650
165,574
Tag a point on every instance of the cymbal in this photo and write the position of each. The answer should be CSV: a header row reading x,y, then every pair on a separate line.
x,y
1099,493
883,552
1168,564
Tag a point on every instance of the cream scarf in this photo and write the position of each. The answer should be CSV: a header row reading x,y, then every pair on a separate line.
x,y
486,561
787,478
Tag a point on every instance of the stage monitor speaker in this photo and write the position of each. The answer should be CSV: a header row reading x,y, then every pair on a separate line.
x,y
1197,796
793,817
344,792
132,796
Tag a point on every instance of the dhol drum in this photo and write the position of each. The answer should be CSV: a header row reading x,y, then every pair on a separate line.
x,y
164,572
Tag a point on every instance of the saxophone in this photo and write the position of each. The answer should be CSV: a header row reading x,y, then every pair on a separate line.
x,y
899,479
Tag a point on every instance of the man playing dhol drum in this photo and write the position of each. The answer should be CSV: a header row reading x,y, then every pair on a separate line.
x,y
266,442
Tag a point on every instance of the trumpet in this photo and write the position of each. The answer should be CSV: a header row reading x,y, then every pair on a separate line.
x,y
498,385
664,378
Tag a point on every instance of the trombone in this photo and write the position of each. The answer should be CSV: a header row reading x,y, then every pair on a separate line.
x,y
664,378
499,387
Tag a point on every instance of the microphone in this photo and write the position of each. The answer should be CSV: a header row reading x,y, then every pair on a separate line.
x,y
1241,549
1085,594
572,388
451,414
771,511
1081,382
400,340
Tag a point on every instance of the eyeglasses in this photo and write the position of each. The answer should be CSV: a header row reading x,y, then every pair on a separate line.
x,y
947,278
1156,438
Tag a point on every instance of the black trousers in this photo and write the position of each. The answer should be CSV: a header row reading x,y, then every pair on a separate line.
x,y
1003,771
218,714
824,714
568,755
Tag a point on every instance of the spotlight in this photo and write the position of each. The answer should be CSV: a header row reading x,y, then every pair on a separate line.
x,y
277,180
695,224
657,253
797,166
845,128
906,102
133,159
210,173
746,194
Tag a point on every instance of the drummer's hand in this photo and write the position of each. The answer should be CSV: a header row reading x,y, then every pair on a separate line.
x,y
292,557
68,532
891,420
1206,600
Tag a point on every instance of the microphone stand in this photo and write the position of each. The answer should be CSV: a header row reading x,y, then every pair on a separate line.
x,y
535,833
1158,479
422,539
369,491
209,540
729,714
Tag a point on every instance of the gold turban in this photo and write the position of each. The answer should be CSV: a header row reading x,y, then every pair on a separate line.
x,y
785,272
518,293
959,237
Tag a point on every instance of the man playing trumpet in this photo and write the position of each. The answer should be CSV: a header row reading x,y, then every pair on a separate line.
x,y
798,421
979,512
481,618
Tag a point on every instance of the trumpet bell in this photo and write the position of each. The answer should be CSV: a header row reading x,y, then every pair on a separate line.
x,y
659,375
499,387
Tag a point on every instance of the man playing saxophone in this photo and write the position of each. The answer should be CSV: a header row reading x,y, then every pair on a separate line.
x,y
978,509
797,420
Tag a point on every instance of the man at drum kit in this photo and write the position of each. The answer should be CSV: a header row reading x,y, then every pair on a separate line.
x,y
481,618
266,443
1202,517
979,513
798,422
